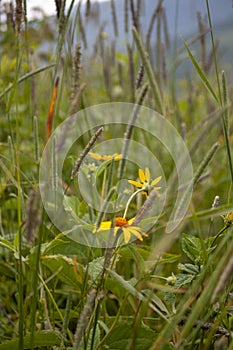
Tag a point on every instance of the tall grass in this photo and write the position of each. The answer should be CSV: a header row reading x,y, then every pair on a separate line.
x,y
160,292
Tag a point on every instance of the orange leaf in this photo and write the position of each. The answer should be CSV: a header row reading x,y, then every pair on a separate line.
x,y
51,111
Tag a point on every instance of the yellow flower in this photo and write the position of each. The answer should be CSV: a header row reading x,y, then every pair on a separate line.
x,y
122,225
229,218
145,183
115,156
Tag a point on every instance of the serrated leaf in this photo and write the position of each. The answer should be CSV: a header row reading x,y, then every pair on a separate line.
x,y
182,279
96,339
191,246
95,269
189,268
122,334
69,272
41,338
170,298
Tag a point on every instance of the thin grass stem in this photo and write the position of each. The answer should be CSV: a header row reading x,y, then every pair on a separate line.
x,y
225,119
85,152
150,74
214,53
25,77
130,127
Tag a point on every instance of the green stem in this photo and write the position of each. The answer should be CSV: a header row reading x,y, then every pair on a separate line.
x,y
21,315
214,52
129,200
225,119
104,207
150,74
219,234
34,290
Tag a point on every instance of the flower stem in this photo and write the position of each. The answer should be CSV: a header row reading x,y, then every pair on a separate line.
x,y
129,200
219,234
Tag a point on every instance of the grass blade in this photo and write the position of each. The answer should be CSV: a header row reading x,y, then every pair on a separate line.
x,y
25,77
201,73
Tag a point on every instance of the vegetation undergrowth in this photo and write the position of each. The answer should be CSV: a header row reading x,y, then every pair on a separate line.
x,y
113,277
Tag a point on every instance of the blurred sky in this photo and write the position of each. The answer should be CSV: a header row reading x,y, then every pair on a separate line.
x,y
48,6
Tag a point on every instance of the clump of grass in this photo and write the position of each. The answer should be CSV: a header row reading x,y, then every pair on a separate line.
x,y
161,291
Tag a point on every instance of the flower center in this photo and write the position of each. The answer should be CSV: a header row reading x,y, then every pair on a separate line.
x,y
120,221
146,186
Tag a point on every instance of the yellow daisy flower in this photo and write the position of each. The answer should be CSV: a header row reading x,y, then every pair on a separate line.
x,y
122,225
229,218
115,156
145,184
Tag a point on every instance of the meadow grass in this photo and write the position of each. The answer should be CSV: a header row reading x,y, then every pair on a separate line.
x,y
161,291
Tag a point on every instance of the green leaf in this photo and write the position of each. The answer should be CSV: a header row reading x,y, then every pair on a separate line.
x,y
64,245
121,337
168,258
41,338
133,291
201,73
61,245
192,247
102,167
25,77
116,288
170,298
95,269
69,273
126,252
96,338
182,279
211,213
156,300
6,244
71,205
189,268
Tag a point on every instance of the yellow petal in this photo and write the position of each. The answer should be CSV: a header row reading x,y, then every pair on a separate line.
x,y
155,181
147,174
144,234
105,225
127,234
117,157
130,221
95,155
106,157
142,176
136,231
135,183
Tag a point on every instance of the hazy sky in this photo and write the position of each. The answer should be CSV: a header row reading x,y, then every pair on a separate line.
x,y
48,6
